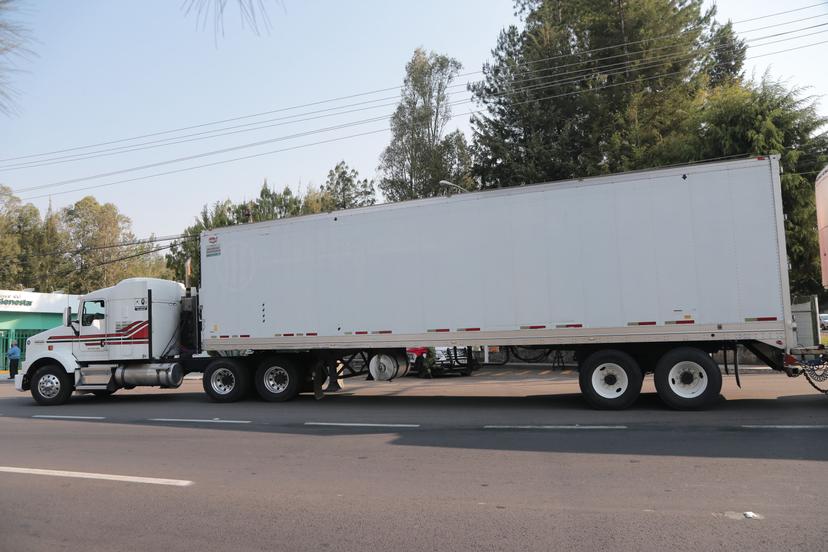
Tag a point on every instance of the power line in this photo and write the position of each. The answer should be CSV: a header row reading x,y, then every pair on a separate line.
x,y
387,89
624,65
298,135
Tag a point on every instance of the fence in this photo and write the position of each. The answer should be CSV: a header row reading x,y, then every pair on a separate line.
x,y
6,338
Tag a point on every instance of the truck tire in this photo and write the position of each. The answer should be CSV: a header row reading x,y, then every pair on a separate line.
x,y
51,385
278,379
687,378
610,379
226,380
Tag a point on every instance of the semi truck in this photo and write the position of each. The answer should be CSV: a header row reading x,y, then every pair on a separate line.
x,y
635,273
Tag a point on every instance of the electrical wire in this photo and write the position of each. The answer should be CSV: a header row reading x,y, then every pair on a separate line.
x,y
315,131
626,64
392,88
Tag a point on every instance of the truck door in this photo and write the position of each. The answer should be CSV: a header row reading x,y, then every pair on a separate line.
x,y
91,344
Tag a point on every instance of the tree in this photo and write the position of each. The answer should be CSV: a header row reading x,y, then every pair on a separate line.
x,y
419,155
345,190
9,240
586,87
102,248
726,55
13,39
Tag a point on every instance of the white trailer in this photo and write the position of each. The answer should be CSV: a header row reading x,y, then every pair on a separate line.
x,y
649,271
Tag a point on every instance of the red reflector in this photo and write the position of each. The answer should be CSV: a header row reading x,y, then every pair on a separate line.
x,y
468,329
766,319
51,347
760,158
361,333
311,334
288,335
649,323
685,322
539,327
440,330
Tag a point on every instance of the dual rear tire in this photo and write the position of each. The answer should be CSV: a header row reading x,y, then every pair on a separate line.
x,y
276,379
685,378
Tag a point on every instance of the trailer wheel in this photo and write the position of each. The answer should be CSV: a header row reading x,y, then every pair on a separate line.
x,y
226,380
278,379
687,378
610,379
51,385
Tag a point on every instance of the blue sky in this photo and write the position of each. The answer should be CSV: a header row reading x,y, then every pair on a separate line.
x,y
108,70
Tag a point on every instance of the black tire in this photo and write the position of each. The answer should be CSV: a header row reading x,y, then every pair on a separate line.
x,y
278,379
55,388
687,378
610,379
226,380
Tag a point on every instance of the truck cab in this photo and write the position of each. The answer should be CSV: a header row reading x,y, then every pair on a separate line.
x,y
125,335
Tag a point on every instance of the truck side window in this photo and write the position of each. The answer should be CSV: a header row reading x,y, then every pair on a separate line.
x,y
92,310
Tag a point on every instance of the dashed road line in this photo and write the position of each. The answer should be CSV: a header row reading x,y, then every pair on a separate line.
x,y
555,427
195,421
56,417
104,476
789,426
356,424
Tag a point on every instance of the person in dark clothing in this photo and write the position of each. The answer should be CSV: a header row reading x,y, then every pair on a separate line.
x,y
13,354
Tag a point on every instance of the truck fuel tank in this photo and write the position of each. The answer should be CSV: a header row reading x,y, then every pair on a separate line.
x,y
163,374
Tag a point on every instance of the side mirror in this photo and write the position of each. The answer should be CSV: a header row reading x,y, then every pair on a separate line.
x,y
67,316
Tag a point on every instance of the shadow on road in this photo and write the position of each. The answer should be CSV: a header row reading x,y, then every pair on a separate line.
x,y
457,422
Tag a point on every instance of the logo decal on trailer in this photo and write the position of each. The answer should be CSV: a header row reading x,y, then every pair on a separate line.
x,y
213,246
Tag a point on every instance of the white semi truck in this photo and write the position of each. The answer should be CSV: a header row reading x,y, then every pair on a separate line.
x,y
636,273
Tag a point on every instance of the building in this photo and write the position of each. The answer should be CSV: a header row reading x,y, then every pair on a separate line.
x,y
24,313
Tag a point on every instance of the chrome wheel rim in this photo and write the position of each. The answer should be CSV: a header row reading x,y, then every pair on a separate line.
x,y
222,381
276,379
610,380
687,379
49,386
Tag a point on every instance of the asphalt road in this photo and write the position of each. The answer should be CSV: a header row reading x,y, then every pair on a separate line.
x,y
509,460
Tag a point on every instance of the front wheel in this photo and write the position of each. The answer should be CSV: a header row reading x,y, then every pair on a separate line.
x,y
226,380
687,378
278,379
610,379
51,385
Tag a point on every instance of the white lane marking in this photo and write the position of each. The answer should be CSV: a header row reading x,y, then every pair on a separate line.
x,y
554,427
56,417
192,421
349,424
785,426
105,476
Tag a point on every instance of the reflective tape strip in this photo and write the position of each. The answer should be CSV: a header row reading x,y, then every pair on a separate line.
x,y
382,332
536,327
440,330
762,319
687,321
569,326
362,332
648,323
311,334
468,329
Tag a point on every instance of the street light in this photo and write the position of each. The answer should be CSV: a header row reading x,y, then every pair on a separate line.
x,y
453,185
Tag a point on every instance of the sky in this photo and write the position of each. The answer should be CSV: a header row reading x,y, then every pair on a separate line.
x,y
106,71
